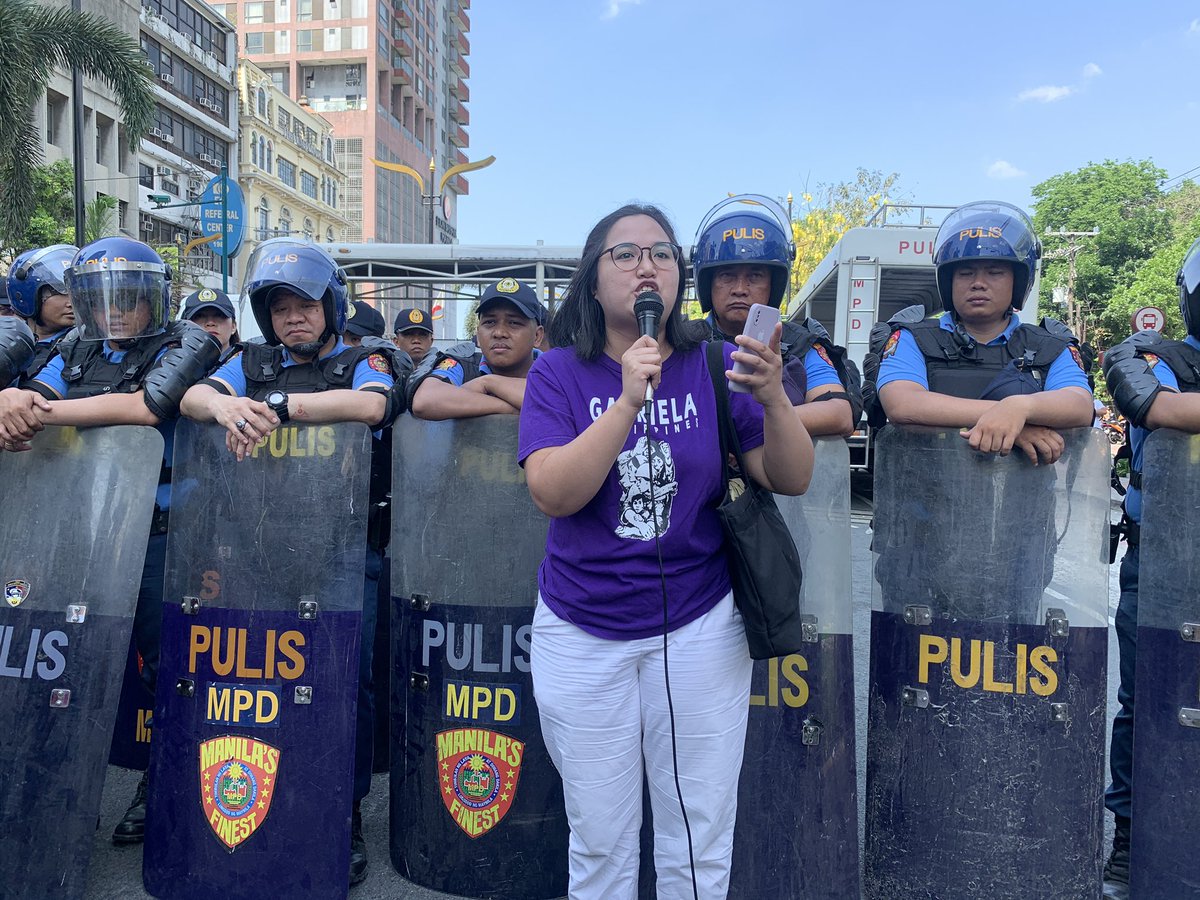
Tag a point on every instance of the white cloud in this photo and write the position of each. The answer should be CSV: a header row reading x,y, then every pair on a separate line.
x,y
1002,168
1194,28
615,7
1047,93
1091,70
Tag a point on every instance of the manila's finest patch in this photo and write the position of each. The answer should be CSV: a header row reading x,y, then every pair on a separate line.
x,y
478,772
377,362
237,785
890,347
17,591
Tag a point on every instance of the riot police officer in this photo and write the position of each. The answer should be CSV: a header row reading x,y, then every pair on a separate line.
x,y
125,364
743,255
977,366
37,290
468,380
1154,383
305,372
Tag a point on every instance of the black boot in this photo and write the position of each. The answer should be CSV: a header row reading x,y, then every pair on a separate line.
x,y
1116,870
132,828
358,848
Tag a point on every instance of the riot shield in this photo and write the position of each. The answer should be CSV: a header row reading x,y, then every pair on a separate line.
x,y
476,803
74,517
251,765
1166,717
988,687
797,823
131,734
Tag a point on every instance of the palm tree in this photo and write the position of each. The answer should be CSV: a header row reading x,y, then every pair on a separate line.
x,y
34,41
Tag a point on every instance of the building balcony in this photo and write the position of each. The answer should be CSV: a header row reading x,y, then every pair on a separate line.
x,y
403,42
461,17
458,63
464,44
459,157
459,184
402,71
459,138
459,89
464,4
400,14
459,113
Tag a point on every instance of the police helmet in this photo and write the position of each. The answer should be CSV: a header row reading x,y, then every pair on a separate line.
x,y
33,270
987,229
120,290
1189,289
746,228
302,268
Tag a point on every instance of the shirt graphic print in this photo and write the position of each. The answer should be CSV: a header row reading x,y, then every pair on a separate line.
x,y
646,493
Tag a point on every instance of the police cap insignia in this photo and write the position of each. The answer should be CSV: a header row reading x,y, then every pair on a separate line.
x,y
416,317
351,309
508,286
208,294
379,363
890,348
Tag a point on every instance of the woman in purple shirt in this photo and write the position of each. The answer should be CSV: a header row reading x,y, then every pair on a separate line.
x,y
635,571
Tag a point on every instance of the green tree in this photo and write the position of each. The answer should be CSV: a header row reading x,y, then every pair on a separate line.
x,y
1124,201
834,210
34,41
98,218
53,218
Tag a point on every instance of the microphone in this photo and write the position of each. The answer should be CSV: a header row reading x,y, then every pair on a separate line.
x,y
649,309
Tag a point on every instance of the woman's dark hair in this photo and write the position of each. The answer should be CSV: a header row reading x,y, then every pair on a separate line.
x,y
579,320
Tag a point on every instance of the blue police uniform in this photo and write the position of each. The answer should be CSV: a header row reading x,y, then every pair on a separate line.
x,y
451,371
1118,796
232,374
902,360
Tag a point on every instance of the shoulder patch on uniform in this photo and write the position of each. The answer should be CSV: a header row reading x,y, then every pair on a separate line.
x,y
889,348
379,363
1151,359
1077,356
823,353
447,364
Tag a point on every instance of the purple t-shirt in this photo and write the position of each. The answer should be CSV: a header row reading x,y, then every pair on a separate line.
x,y
601,568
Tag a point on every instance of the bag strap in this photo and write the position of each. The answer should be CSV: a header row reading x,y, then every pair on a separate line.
x,y
715,351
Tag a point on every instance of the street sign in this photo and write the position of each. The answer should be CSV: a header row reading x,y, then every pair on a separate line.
x,y
234,215
1149,318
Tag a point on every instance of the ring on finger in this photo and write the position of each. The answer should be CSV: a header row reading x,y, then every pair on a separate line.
x,y
240,424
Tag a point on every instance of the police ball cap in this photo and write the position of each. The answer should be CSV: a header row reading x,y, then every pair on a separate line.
x,y
518,294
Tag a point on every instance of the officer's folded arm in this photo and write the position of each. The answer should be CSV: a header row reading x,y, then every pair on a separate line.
x,y
206,403
436,399
504,387
1171,409
366,404
107,409
826,417
908,403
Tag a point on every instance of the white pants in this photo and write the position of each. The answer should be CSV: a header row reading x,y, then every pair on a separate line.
x,y
603,708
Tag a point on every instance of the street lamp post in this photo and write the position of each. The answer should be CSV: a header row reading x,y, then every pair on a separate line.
x,y
433,199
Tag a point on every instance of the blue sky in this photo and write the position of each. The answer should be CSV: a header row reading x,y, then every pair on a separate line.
x,y
587,104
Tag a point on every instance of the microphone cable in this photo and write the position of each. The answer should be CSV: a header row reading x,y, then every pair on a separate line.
x,y
662,574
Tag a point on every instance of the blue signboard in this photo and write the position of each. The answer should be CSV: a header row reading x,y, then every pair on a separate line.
x,y
233,215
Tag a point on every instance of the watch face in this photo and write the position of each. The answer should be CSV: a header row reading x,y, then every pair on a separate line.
x,y
276,397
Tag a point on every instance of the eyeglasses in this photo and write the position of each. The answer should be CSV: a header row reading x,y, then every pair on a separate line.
x,y
628,257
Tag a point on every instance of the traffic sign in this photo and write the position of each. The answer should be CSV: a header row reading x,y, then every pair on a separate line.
x,y
233,215
1149,318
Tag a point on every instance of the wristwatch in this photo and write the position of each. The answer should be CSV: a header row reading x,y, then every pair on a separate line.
x,y
278,403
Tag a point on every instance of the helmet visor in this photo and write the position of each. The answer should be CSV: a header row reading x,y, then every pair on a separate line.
x,y
980,224
49,266
1189,272
120,300
746,204
290,264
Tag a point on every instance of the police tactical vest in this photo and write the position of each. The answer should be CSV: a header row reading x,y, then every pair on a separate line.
x,y
465,353
88,373
42,354
1183,360
265,372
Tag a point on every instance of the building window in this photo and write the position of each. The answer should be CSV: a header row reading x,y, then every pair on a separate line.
x,y
329,235
146,176
304,40
254,148
308,229
264,219
262,102
308,184
253,13
285,221
287,172
304,12
254,42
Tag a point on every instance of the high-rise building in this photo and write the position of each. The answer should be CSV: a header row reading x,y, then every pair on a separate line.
x,y
391,75
193,52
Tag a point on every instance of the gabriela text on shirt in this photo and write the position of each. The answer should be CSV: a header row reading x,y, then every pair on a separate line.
x,y
669,415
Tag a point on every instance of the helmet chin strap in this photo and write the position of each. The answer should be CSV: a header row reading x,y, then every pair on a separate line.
x,y
310,349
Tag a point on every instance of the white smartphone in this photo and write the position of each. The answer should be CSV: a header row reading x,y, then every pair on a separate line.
x,y
760,325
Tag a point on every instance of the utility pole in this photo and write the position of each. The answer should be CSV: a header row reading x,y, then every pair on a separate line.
x,y
1075,319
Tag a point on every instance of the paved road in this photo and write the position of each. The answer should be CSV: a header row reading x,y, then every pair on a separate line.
x,y
116,871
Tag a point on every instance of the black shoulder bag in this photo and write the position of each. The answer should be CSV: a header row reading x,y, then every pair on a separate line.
x,y
764,565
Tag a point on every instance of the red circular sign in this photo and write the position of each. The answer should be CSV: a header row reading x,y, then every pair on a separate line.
x,y
1149,318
